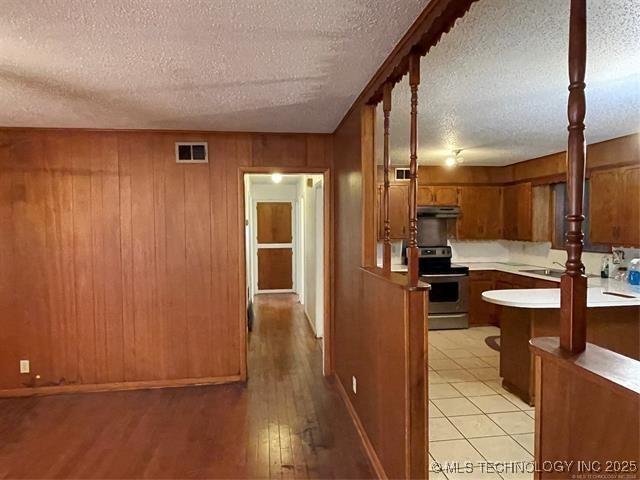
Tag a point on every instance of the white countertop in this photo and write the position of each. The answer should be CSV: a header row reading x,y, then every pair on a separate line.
x,y
550,297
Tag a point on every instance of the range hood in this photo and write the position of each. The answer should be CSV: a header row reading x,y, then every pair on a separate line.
x,y
439,211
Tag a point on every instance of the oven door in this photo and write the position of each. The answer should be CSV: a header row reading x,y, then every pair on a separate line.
x,y
449,293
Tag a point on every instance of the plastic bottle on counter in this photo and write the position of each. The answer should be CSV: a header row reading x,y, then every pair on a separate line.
x,y
605,267
633,275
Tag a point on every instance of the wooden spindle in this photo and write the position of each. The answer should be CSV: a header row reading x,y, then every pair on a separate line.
x,y
573,285
386,108
412,249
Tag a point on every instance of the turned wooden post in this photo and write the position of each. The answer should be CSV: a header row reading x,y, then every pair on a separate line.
x,y
412,250
573,285
386,108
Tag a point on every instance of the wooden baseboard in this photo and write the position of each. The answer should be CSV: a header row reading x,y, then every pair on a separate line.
x,y
116,386
366,443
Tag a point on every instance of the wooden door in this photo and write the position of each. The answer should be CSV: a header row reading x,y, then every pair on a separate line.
x,y
274,238
399,211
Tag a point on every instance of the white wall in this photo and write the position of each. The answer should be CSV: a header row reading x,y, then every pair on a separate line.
x,y
313,253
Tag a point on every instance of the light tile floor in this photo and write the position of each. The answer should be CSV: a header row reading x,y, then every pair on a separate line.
x,y
473,421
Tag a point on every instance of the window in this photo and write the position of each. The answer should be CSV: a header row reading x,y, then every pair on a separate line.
x,y
560,222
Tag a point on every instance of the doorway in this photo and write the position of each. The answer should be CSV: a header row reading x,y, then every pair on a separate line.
x,y
286,246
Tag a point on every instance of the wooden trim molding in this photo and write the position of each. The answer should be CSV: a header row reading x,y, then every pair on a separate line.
x,y
117,386
438,18
366,442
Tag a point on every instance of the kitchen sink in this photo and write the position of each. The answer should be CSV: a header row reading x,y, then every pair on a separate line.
x,y
547,272
550,272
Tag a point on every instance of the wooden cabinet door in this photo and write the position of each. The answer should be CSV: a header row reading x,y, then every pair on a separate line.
x,y
516,211
425,196
445,195
629,201
399,211
480,312
604,199
480,213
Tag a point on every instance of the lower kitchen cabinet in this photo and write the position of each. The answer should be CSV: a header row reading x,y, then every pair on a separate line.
x,y
485,313
481,312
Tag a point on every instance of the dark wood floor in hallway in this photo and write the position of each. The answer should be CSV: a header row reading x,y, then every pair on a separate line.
x,y
287,422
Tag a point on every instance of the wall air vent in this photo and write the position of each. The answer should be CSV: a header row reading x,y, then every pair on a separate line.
x,y
192,152
402,173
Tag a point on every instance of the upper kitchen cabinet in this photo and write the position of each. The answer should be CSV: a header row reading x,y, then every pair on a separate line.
x,y
480,213
517,211
615,206
438,195
398,212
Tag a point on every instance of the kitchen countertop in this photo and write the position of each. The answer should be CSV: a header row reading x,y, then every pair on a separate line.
x,y
550,297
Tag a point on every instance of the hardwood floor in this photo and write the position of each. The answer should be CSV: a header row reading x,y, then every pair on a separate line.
x,y
287,422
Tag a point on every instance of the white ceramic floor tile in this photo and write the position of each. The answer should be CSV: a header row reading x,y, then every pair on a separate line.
x,y
492,360
442,429
433,352
473,389
526,440
472,362
456,353
531,413
454,451
517,476
434,378
473,426
513,422
489,373
457,375
495,385
483,350
456,406
443,364
494,404
516,400
501,449
470,472
442,390
434,412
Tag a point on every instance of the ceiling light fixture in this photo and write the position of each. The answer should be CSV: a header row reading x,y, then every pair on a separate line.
x,y
455,158
276,177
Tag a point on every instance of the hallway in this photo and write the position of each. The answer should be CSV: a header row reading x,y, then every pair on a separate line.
x,y
287,422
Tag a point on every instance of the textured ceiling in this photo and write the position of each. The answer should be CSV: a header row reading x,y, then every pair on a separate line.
x,y
250,65
496,85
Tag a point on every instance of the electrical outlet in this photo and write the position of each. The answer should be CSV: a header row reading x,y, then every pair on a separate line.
x,y
24,366
354,384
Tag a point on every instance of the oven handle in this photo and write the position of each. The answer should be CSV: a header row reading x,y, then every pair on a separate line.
x,y
446,275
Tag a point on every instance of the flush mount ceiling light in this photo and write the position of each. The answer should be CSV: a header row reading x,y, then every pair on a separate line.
x,y
276,177
455,158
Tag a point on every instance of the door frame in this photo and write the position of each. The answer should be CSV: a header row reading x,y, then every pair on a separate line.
x,y
293,245
328,350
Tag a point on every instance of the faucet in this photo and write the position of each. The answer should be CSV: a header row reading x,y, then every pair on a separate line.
x,y
558,263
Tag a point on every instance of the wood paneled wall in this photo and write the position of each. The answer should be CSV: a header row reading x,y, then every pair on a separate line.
x,y
611,153
374,336
120,266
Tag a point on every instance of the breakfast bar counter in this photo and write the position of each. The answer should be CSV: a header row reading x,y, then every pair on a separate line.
x,y
613,322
